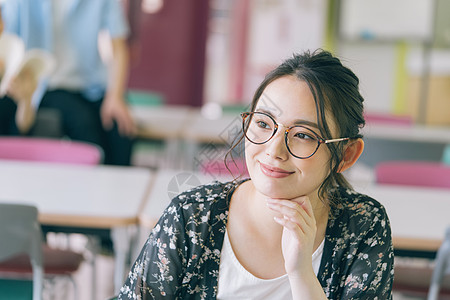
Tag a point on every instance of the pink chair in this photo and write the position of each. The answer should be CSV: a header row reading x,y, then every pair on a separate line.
x,y
237,167
416,173
50,150
388,119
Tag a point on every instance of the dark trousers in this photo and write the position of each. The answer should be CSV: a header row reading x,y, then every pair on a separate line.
x,y
8,110
81,121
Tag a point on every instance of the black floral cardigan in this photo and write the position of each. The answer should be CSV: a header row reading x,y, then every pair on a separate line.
x,y
181,258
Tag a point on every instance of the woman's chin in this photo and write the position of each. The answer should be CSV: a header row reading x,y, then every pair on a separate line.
x,y
275,191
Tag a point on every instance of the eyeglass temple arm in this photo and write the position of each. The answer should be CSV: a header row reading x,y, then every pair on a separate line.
x,y
335,140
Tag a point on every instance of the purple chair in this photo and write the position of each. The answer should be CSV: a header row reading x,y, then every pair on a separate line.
x,y
416,173
50,150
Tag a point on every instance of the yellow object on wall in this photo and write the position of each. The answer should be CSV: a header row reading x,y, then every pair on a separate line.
x,y
437,109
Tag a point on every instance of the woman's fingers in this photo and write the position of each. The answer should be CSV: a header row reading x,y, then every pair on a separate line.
x,y
291,209
296,216
298,226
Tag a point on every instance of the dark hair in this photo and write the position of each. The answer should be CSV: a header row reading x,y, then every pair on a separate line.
x,y
335,89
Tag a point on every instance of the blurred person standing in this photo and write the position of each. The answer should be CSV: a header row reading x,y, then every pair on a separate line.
x,y
88,93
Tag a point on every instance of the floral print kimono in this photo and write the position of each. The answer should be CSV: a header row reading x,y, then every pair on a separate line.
x,y
181,258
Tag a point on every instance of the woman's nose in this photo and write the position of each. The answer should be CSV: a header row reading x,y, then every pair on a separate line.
x,y
276,147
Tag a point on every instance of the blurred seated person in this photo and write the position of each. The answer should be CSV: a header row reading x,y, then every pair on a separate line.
x,y
88,94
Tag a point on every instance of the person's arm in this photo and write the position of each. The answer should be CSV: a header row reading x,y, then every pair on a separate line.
x,y
21,90
299,232
114,107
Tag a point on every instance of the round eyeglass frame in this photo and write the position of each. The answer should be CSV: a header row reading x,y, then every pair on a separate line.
x,y
320,140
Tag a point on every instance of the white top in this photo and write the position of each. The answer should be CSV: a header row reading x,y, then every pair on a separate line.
x,y
235,282
66,74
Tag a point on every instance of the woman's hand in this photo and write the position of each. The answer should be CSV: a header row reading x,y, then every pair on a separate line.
x,y
299,232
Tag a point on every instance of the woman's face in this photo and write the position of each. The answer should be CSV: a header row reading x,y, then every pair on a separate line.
x,y
273,170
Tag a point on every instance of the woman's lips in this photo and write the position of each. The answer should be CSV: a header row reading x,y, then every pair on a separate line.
x,y
274,172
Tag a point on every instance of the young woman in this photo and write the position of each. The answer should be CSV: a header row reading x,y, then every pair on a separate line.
x,y
295,229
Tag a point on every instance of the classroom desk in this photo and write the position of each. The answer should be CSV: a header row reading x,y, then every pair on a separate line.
x,y
205,138
419,216
99,197
408,133
220,131
174,121
224,129
161,122
165,123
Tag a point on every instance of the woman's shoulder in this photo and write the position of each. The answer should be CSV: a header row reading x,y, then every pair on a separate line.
x,y
359,209
205,194
357,203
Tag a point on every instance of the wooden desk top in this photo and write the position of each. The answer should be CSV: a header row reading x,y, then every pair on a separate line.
x,y
74,195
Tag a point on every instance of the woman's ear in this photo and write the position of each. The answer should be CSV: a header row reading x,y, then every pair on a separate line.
x,y
352,151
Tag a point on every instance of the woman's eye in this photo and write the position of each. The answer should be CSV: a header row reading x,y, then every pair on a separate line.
x,y
263,124
304,136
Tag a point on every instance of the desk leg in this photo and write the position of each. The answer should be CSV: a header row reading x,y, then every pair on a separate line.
x,y
172,157
121,238
191,155
93,246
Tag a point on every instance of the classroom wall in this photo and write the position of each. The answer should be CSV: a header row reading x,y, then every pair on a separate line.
x,y
169,51
384,42
235,42
268,31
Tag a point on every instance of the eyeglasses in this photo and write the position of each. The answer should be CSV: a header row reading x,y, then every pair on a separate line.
x,y
301,141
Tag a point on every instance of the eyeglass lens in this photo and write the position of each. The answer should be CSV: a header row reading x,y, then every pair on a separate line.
x,y
259,128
